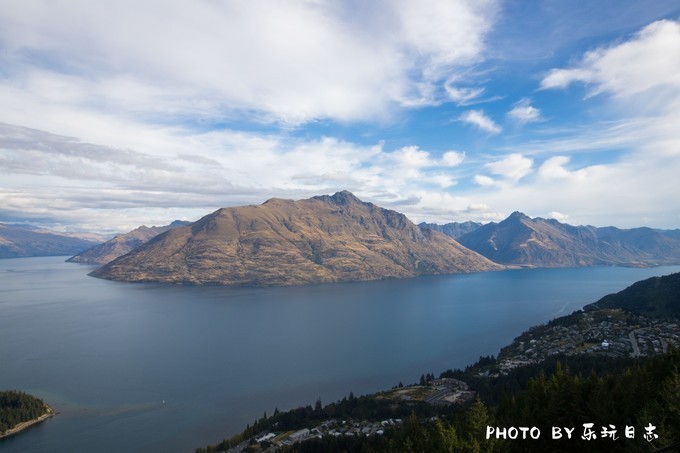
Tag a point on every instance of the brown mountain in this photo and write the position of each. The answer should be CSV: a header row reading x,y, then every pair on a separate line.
x,y
25,240
121,244
521,240
284,242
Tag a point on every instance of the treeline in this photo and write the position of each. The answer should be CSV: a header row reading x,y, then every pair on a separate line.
x,y
493,390
366,407
612,396
565,392
656,297
18,407
644,394
452,433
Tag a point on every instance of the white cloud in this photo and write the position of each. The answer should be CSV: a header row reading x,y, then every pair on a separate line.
x,y
645,62
513,168
479,119
560,217
452,158
523,112
478,207
443,181
118,106
484,181
462,95
285,61
445,32
402,170
562,78
200,173
553,168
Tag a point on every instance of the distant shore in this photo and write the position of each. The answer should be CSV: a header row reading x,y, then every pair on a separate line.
x,y
24,425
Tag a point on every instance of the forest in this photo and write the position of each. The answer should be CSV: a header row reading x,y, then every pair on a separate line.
x,y
18,407
625,405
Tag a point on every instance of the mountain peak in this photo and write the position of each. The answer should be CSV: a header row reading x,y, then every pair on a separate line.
x,y
342,198
328,238
518,215
345,197
122,244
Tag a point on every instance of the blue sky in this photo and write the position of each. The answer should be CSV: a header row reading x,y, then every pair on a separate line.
x,y
127,113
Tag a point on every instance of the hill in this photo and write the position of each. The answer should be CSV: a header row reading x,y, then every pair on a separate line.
x,y
285,242
656,297
121,244
521,240
25,240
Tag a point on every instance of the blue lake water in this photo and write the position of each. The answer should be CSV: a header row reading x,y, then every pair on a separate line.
x,y
144,367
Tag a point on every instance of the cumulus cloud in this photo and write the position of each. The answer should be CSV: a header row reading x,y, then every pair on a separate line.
x,y
452,158
408,166
479,119
130,114
478,207
513,167
285,61
560,217
523,112
625,69
553,168
214,169
625,173
485,181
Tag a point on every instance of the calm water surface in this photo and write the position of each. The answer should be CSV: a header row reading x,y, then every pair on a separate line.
x,y
141,367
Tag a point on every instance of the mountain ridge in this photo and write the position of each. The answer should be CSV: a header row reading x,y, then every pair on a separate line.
x,y
537,242
121,244
453,229
327,238
19,240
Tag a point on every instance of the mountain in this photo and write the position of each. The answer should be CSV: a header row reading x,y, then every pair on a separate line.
x,y
25,240
121,244
285,242
454,230
521,240
656,297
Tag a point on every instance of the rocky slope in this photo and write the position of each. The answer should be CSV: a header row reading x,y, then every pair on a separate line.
x,y
121,244
24,240
521,240
284,242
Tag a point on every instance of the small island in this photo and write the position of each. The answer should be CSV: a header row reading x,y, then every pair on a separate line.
x,y
19,410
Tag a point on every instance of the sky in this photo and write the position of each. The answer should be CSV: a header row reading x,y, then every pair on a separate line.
x,y
118,114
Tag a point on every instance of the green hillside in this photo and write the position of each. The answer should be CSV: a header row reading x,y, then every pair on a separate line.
x,y
656,297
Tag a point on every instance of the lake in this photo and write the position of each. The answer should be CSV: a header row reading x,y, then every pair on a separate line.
x,y
146,367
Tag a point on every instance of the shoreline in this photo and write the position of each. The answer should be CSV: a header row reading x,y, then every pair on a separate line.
x,y
25,425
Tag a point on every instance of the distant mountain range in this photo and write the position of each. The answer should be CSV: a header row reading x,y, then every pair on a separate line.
x,y
25,240
338,238
454,230
285,242
521,240
122,244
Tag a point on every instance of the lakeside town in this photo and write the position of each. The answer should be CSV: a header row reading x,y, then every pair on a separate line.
x,y
608,332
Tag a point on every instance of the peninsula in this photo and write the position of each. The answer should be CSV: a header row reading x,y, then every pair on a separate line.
x,y
19,411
